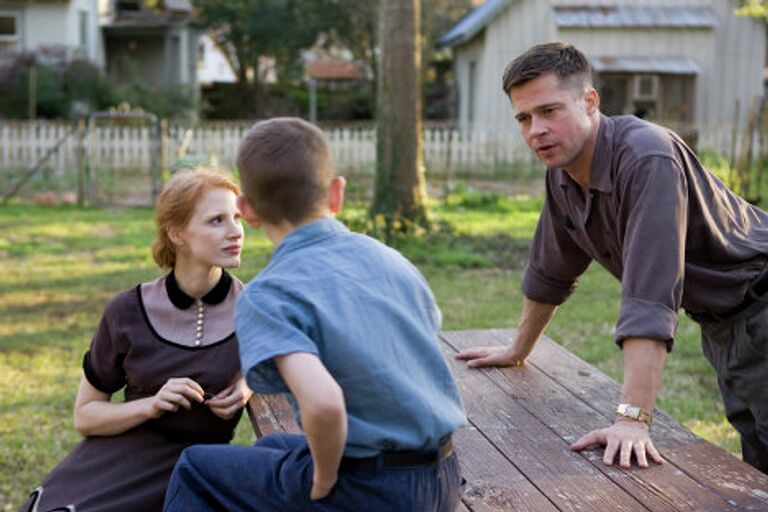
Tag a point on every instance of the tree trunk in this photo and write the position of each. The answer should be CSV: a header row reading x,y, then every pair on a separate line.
x,y
400,193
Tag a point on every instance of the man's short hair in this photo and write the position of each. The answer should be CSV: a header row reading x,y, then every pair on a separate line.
x,y
562,59
285,168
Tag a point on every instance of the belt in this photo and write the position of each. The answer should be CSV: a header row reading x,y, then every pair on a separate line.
x,y
400,459
757,288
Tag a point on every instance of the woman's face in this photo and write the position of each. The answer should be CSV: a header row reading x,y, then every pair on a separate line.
x,y
214,234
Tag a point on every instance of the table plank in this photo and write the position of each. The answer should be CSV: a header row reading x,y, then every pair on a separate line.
x,y
493,482
568,480
572,397
514,452
270,414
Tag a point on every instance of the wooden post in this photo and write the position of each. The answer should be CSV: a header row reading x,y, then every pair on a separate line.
x,y
762,161
734,136
155,157
745,161
164,147
32,89
80,162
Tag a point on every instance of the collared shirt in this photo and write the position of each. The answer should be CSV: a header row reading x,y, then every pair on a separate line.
x,y
668,229
370,317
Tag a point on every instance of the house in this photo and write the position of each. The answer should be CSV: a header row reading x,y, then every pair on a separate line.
x,y
677,61
154,42
332,66
56,28
212,64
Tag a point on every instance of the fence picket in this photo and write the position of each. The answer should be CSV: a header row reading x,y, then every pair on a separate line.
x,y
120,147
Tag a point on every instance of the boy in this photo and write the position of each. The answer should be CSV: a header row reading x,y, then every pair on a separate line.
x,y
346,326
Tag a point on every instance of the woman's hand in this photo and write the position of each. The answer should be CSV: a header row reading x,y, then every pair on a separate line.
x,y
227,402
177,392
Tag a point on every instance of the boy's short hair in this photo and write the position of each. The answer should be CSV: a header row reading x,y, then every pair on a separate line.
x,y
286,169
562,59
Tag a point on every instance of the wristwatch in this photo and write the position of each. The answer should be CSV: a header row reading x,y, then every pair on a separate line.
x,y
635,413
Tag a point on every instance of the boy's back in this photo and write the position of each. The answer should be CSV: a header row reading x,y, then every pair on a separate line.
x,y
370,317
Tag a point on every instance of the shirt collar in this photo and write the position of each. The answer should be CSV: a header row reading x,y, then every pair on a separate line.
x,y
600,174
181,300
310,233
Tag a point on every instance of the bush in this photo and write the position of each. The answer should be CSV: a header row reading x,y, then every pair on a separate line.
x,y
177,102
67,90
718,165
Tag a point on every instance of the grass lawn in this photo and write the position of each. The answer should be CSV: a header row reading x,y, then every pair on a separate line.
x,y
60,265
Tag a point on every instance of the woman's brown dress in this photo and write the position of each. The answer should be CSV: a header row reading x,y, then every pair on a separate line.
x,y
146,336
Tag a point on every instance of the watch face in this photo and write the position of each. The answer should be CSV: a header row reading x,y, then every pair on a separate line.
x,y
633,411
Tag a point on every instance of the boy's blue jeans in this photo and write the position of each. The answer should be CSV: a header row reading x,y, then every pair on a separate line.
x,y
276,475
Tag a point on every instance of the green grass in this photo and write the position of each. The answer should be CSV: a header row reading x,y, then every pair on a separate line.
x,y
61,264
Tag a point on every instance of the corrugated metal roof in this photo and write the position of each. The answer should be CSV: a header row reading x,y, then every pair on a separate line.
x,y
472,23
659,65
634,16
178,5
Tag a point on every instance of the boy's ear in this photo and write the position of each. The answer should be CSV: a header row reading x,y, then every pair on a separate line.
x,y
336,194
246,210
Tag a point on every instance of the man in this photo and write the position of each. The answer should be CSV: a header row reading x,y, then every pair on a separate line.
x,y
632,196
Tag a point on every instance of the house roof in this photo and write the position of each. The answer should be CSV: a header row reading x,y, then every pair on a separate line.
x,y
472,23
588,17
178,5
634,16
659,65
332,70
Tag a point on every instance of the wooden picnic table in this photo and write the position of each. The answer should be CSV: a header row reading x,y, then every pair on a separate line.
x,y
514,450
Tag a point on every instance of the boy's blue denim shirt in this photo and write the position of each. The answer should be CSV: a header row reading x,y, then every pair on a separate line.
x,y
370,317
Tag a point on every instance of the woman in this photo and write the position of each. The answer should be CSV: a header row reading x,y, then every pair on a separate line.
x,y
170,344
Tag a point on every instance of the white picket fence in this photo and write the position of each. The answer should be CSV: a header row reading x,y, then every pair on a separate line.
x,y
113,147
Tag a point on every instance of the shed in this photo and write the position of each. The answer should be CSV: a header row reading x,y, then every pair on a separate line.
x,y
675,61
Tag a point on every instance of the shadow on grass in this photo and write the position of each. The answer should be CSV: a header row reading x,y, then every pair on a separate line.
x,y
450,250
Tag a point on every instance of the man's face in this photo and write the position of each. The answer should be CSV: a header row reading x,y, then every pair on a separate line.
x,y
556,119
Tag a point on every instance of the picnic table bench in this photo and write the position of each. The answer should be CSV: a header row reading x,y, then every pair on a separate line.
x,y
514,450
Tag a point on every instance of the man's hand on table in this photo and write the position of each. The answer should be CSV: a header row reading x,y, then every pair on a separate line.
x,y
480,357
625,437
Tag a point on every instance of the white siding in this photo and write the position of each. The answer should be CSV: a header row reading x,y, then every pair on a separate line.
x,y
730,55
737,68
471,52
211,65
58,24
517,27
668,42
46,25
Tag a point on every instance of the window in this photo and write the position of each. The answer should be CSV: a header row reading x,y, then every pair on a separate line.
x,y
613,90
84,29
128,5
646,87
471,91
9,32
662,97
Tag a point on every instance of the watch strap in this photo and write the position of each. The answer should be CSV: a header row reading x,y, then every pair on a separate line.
x,y
635,413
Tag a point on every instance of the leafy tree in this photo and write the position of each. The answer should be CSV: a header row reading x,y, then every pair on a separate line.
x,y
753,8
248,30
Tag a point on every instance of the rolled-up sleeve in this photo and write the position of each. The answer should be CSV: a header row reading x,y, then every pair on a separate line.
x,y
653,215
269,324
555,261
